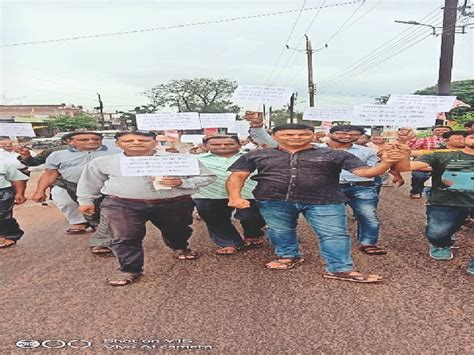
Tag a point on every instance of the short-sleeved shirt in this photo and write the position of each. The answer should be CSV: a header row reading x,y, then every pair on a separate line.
x,y
219,165
308,176
9,173
70,162
452,178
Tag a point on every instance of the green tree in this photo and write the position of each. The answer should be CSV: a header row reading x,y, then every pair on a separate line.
x,y
64,123
464,90
194,95
282,116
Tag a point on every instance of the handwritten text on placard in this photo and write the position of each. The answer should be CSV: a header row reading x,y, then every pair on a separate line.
x,y
17,130
217,120
328,113
263,94
160,165
391,115
443,103
168,120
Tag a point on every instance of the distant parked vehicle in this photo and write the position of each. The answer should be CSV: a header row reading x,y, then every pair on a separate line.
x,y
44,143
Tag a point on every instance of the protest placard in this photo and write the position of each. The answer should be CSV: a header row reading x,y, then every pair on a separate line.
x,y
217,120
195,139
16,130
168,121
442,103
328,113
160,165
394,115
271,95
241,128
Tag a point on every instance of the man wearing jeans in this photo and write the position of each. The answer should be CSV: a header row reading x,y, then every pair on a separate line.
x,y
451,200
212,200
298,178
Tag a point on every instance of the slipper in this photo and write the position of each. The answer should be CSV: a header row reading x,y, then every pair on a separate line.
x,y
283,263
373,250
101,250
253,242
416,196
123,279
6,243
231,250
353,276
185,254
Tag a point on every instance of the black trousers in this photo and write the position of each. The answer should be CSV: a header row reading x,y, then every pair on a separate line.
x,y
126,223
9,227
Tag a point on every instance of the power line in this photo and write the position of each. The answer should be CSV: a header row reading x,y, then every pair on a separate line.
x,y
287,40
191,24
344,23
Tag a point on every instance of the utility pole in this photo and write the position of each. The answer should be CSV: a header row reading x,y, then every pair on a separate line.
x,y
292,107
447,47
101,110
309,55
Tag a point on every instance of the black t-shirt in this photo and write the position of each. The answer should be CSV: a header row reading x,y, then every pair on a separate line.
x,y
452,178
307,176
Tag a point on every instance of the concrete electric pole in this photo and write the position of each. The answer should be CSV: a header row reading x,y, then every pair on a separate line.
x,y
309,55
101,111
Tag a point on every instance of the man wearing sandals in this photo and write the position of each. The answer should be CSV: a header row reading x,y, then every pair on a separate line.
x,y
295,178
212,200
131,201
12,191
63,169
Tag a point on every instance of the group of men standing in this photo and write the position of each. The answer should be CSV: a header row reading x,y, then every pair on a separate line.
x,y
265,187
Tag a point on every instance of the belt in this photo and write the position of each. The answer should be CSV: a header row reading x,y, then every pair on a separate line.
x,y
153,201
358,183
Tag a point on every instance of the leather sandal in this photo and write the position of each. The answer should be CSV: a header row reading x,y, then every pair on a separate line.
x,y
372,250
231,250
6,243
353,276
186,254
283,263
123,279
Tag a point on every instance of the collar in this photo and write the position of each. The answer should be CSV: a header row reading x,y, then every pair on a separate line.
x,y
208,154
102,148
303,150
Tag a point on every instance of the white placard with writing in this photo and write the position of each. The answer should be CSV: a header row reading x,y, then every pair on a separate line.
x,y
217,120
443,103
272,95
239,127
328,113
168,120
394,115
17,130
160,165
195,139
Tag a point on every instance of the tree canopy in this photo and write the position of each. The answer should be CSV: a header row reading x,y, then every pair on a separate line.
x,y
202,95
64,123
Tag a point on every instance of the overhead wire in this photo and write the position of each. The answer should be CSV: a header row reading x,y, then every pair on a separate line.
x,y
191,24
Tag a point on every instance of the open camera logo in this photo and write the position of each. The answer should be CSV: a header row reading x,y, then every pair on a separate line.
x,y
53,344
27,344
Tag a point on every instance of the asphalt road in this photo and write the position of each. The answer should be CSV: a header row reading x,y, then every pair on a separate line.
x,y
53,292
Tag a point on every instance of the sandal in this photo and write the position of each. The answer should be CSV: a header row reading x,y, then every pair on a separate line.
x,y
283,263
416,196
74,231
353,276
101,250
123,279
186,254
5,242
227,250
253,242
372,250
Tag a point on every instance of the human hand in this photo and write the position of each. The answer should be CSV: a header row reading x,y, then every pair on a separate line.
x,y
170,181
39,196
19,199
87,209
254,118
23,151
239,203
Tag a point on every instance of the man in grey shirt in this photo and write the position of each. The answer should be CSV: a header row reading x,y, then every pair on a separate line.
x,y
63,169
131,201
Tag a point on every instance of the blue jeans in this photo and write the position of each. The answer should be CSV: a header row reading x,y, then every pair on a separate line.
x,y
418,179
443,222
328,221
364,201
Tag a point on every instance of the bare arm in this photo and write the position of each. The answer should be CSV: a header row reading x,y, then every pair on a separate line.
x,y
373,171
234,186
46,180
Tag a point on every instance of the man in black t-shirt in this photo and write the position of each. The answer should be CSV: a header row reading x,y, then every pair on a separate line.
x,y
298,178
451,200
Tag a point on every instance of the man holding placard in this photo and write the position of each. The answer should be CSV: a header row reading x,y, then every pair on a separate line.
x,y
212,200
134,196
